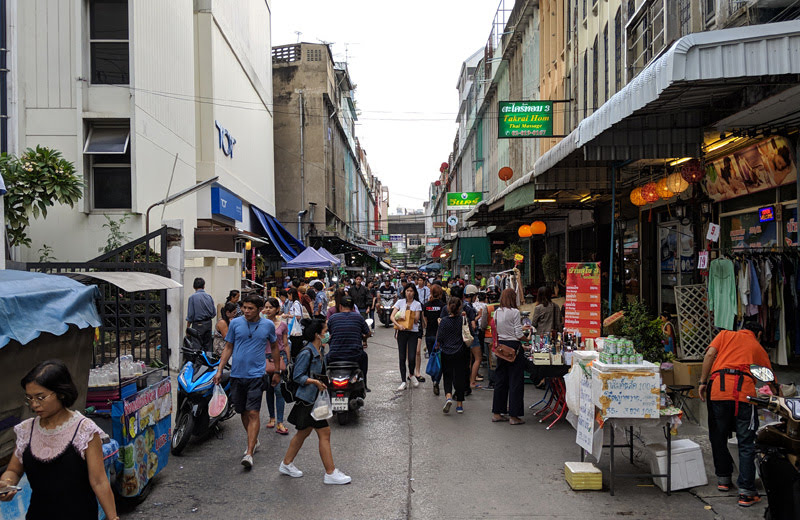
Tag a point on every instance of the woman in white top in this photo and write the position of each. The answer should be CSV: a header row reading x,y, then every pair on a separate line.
x,y
509,386
295,310
407,332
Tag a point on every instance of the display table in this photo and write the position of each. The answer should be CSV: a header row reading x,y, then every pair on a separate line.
x,y
554,398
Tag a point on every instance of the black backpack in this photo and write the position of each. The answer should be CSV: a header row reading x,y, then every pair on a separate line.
x,y
288,386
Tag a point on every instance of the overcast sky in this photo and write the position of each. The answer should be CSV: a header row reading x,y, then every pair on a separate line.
x,y
405,59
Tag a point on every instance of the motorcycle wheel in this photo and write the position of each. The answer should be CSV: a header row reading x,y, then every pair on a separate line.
x,y
183,432
343,418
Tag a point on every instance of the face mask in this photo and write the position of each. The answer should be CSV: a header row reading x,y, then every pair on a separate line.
x,y
325,338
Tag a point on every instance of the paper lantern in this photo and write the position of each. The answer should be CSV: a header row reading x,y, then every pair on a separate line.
x,y
636,197
663,190
524,231
538,228
437,183
693,171
444,167
676,183
505,173
650,192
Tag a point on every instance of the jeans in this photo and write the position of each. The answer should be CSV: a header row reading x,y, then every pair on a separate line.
x,y
722,421
274,396
430,341
454,370
509,386
407,349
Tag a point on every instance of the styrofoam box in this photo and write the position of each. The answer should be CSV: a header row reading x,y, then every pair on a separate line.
x,y
626,391
688,469
608,367
584,355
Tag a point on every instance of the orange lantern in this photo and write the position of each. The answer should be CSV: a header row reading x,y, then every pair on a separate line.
x,y
650,192
663,190
676,183
538,228
636,197
505,173
524,231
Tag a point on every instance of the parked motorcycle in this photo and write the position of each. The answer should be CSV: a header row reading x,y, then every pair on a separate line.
x,y
778,452
195,386
347,389
385,304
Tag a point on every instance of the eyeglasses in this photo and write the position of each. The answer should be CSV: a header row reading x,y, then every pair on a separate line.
x,y
39,399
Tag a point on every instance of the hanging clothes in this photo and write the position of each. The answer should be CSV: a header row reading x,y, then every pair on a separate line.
x,y
722,292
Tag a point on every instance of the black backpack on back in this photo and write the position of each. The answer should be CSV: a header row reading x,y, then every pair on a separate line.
x,y
288,386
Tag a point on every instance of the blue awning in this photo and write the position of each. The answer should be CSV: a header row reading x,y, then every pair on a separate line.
x,y
287,245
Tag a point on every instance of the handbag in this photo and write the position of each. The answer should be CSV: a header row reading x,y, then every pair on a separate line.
x,y
504,352
296,328
434,368
271,365
466,334
219,345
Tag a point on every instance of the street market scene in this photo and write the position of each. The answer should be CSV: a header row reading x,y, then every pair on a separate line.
x,y
457,259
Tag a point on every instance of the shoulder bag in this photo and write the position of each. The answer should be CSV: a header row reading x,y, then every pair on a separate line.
x,y
504,352
466,335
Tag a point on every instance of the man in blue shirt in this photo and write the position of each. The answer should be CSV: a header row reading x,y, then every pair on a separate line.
x,y
200,311
349,332
320,300
248,338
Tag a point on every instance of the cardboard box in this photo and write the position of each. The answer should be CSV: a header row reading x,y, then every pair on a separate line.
x,y
668,377
687,372
541,358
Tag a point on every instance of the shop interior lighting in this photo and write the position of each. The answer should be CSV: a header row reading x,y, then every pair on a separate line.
x,y
724,142
586,198
680,161
542,201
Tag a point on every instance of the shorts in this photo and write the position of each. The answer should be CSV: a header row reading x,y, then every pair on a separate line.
x,y
300,417
246,394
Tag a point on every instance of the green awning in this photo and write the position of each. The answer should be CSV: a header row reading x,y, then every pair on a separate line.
x,y
520,197
475,246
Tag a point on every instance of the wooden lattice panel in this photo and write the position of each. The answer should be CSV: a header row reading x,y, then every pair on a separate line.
x,y
695,327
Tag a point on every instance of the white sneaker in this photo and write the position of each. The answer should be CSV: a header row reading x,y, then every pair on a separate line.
x,y
290,469
258,445
447,405
247,461
337,477
414,381
402,386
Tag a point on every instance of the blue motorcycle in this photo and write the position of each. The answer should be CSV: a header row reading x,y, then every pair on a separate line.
x,y
195,386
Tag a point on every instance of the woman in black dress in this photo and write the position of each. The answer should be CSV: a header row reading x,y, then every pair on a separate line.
x,y
60,450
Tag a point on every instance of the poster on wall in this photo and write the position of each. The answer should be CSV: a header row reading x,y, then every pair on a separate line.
x,y
790,225
582,309
676,247
767,164
747,231
141,424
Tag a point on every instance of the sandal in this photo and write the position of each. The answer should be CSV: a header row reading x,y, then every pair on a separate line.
x,y
514,423
502,418
271,423
479,378
281,429
420,379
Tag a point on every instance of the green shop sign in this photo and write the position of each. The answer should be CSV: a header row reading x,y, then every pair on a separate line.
x,y
463,200
525,119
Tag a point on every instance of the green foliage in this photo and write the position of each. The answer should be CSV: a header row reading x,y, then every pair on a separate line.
x,y
511,250
645,332
46,254
116,236
550,267
35,181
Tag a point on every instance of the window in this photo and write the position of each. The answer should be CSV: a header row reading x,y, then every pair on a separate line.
x,y
617,52
605,63
108,42
108,154
595,78
569,23
685,17
710,9
585,11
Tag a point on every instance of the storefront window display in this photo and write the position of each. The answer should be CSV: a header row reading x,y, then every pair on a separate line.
x,y
630,260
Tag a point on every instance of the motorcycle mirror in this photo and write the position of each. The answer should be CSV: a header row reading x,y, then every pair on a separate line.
x,y
763,374
370,321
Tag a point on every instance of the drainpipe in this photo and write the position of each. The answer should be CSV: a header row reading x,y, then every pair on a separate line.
x,y
3,78
302,160
300,215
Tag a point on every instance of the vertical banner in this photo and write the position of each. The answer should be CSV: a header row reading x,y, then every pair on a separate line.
x,y
583,304
585,430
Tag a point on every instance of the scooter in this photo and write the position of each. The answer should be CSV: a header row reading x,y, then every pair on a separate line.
x,y
385,310
778,452
195,385
347,389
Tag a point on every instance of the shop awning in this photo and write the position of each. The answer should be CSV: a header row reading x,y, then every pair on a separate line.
x,y
327,254
128,281
384,265
309,259
287,245
477,246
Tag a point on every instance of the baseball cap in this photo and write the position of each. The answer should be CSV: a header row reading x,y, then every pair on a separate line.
x,y
470,289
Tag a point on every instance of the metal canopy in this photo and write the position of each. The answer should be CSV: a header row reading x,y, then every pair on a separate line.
x,y
128,281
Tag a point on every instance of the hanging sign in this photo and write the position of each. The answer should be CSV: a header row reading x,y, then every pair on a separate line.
x,y
452,220
457,201
439,224
766,214
524,119
583,304
713,232
702,260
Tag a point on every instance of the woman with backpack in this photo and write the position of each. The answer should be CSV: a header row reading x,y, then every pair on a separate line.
x,y
308,366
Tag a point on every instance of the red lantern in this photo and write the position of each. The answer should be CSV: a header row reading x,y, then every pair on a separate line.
x,y
538,228
505,173
693,171
650,192
444,167
524,231
437,183
636,197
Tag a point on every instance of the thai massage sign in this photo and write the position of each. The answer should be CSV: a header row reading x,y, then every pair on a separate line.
x,y
525,119
463,200
583,305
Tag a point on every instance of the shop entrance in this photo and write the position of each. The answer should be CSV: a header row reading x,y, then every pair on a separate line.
x,y
676,261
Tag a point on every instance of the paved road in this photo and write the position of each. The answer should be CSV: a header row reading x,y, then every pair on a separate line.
x,y
410,461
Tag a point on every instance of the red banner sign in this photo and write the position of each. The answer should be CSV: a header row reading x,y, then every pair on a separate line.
x,y
583,310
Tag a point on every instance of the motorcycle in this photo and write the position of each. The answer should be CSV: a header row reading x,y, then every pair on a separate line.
x,y
385,310
347,387
778,451
195,386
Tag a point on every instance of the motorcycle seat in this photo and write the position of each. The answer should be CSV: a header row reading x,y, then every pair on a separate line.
x,y
793,404
343,364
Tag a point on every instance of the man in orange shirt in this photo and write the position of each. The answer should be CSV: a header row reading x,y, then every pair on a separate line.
x,y
726,376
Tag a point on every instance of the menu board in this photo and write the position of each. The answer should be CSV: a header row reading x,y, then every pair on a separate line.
x,y
582,311
141,423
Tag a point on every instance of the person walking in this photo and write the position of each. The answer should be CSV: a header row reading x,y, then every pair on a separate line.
x,y
275,402
507,402
546,314
248,337
726,382
59,450
432,312
320,301
373,301
200,311
226,314
451,344
475,353
424,294
294,315
406,317
360,295
307,365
